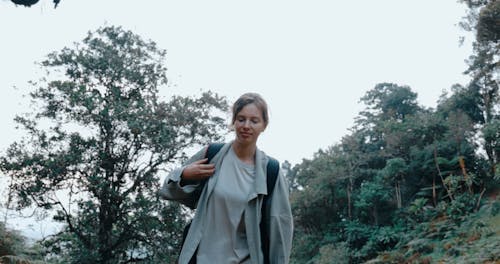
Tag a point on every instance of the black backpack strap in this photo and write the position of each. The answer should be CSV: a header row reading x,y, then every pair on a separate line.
x,y
273,167
272,171
212,150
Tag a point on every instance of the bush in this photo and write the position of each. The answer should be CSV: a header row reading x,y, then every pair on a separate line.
x,y
331,253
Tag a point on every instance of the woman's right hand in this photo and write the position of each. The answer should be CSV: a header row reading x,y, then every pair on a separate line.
x,y
198,170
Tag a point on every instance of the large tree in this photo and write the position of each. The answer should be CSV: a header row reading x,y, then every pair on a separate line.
x,y
483,19
96,140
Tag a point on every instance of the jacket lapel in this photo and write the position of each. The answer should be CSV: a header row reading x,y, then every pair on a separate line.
x,y
260,172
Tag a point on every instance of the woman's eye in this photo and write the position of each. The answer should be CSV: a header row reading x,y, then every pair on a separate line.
x,y
244,120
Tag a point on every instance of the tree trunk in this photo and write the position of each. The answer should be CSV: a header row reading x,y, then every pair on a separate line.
x,y
349,201
375,214
398,194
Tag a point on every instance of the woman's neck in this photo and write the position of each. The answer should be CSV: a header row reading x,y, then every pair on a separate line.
x,y
245,153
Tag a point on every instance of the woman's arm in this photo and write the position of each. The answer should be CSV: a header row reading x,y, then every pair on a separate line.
x,y
182,184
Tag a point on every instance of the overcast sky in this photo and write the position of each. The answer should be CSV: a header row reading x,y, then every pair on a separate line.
x,y
311,60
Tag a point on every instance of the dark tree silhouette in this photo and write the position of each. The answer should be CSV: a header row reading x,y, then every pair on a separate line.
x,y
29,3
26,3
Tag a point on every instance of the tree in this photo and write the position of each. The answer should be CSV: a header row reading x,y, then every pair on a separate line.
x,y
389,101
382,127
395,172
484,19
291,175
100,135
488,23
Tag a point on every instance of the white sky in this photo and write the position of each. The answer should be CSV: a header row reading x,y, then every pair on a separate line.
x,y
311,60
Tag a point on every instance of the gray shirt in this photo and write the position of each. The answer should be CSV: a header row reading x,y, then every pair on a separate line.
x,y
224,240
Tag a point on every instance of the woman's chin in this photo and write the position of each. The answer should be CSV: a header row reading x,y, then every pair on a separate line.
x,y
245,140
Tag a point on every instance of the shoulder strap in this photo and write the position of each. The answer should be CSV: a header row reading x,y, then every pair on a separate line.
x,y
272,170
212,150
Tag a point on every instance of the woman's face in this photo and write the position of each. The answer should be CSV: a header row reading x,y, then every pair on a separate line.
x,y
248,124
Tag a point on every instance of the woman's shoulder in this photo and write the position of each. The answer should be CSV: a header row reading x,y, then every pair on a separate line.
x,y
265,157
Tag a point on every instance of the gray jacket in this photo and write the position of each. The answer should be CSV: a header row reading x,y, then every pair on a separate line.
x,y
280,223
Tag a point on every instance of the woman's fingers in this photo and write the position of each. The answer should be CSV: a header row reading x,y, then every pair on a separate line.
x,y
198,170
202,161
206,169
206,166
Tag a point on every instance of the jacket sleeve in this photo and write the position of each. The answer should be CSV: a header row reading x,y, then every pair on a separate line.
x,y
280,223
187,194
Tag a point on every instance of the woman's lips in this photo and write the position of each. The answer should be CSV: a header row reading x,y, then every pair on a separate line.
x,y
243,134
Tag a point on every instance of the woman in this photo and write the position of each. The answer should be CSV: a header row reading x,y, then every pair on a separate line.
x,y
225,228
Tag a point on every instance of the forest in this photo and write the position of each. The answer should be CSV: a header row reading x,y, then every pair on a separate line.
x,y
407,184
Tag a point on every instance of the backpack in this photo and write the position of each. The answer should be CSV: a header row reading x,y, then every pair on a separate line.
x,y
272,171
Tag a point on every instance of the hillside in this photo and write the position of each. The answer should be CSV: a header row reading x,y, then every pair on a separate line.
x,y
474,238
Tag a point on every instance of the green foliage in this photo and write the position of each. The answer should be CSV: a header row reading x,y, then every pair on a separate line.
x,y
409,184
491,134
488,24
99,135
308,243
405,180
372,199
390,101
331,253
483,19
322,195
468,237
14,248
463,99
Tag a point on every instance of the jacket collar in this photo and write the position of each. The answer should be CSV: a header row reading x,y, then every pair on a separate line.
x,y
260,184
